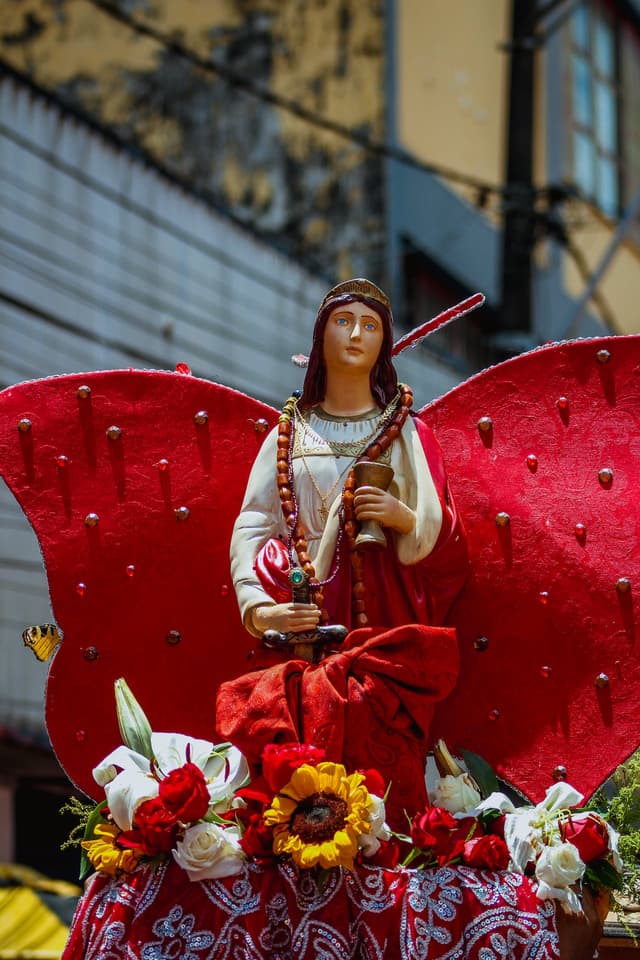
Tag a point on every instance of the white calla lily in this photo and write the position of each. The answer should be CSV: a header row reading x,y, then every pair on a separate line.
x,y
129,778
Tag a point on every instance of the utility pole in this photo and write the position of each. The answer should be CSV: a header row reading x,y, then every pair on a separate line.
x,y
518,232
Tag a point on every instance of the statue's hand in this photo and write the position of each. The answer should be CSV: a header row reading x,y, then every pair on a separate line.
x,y
371,503
286,617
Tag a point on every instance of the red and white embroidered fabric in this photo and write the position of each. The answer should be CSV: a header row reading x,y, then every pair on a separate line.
x,y
276,912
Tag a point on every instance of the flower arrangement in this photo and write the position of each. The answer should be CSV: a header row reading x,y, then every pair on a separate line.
x,y
171,795
557,843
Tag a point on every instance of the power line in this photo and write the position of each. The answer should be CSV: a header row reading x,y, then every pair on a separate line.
x,y
242,82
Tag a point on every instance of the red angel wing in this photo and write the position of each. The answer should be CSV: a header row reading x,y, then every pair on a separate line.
x,y
547,445
132,487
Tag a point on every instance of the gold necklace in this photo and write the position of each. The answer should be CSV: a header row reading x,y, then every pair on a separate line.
x,y
345,448
324,497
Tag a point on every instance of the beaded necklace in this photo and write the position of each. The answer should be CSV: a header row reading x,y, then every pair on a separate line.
x,y
391,427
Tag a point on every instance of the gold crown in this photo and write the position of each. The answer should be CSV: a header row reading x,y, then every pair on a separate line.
x,y
361,288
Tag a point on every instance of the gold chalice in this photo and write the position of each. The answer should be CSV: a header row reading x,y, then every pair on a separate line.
x,y
371,473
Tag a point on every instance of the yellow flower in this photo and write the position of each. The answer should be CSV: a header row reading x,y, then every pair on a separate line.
x,y
319,815
104,854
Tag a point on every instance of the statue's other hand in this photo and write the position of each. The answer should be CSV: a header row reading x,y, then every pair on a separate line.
x,y
371,503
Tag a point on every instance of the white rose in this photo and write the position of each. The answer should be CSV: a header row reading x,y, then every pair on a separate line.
x,y
208,851
556,869
456,794
369,843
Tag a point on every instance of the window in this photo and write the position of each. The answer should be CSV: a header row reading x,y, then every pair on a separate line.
x,y
596,105
604,54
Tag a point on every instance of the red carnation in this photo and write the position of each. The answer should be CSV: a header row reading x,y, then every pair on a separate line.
x,y
490,851
184,792
373,782
257,839
156,826
589,835
280,760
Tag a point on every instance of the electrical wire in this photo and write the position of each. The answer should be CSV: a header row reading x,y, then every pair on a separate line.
x,y
242,82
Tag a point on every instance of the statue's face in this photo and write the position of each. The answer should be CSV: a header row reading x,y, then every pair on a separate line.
x,y
352,339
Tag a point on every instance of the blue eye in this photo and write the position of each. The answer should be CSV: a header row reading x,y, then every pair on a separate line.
x,y
370,326
342,321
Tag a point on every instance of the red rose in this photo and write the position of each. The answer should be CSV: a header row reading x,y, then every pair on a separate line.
x,y
489,851
588,834
436,832
184,792
279,760
156,826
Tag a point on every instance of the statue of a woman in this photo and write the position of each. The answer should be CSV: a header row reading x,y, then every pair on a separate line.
x,y
370,703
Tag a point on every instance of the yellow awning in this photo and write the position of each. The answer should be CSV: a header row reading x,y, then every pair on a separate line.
x,y
29,930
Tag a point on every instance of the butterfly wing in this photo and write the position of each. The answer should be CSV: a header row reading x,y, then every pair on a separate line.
x,y
542,456
132,487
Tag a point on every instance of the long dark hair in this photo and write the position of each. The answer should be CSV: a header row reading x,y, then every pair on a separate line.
x,y
383,379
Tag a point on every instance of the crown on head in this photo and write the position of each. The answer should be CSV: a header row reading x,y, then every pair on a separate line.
x,y
361,288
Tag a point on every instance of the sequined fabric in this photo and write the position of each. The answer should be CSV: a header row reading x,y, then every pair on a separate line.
x,y
279,913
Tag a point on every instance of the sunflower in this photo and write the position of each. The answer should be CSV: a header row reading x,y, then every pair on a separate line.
x,y
104,853
319,815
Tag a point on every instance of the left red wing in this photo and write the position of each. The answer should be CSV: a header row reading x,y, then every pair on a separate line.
x,y
157,604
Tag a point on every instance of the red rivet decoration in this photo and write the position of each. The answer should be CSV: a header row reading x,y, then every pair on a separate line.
x,y
201,418
62,461
24,425
260,425
481,644
90,653
559,772
532,462
130,570
182,513
114,433
224,590
184,369
605,476
91,520
623,585
485,424
502,519
603,356
562,403
162,464
545,671
173,637
580,531
543,597
81,589
84,392
602,680
493,715
80,735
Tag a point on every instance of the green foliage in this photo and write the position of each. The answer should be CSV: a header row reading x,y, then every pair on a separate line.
x,y
481,772
619,802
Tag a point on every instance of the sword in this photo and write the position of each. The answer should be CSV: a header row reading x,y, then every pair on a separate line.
x,y
310,645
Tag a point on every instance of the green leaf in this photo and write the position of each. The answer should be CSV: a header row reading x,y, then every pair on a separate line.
x,y
482,772
601,873
95,817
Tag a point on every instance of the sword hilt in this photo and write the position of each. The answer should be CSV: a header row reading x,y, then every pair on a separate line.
x,y
311,644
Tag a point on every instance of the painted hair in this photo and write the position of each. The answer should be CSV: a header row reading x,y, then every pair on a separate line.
x,y
383,379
